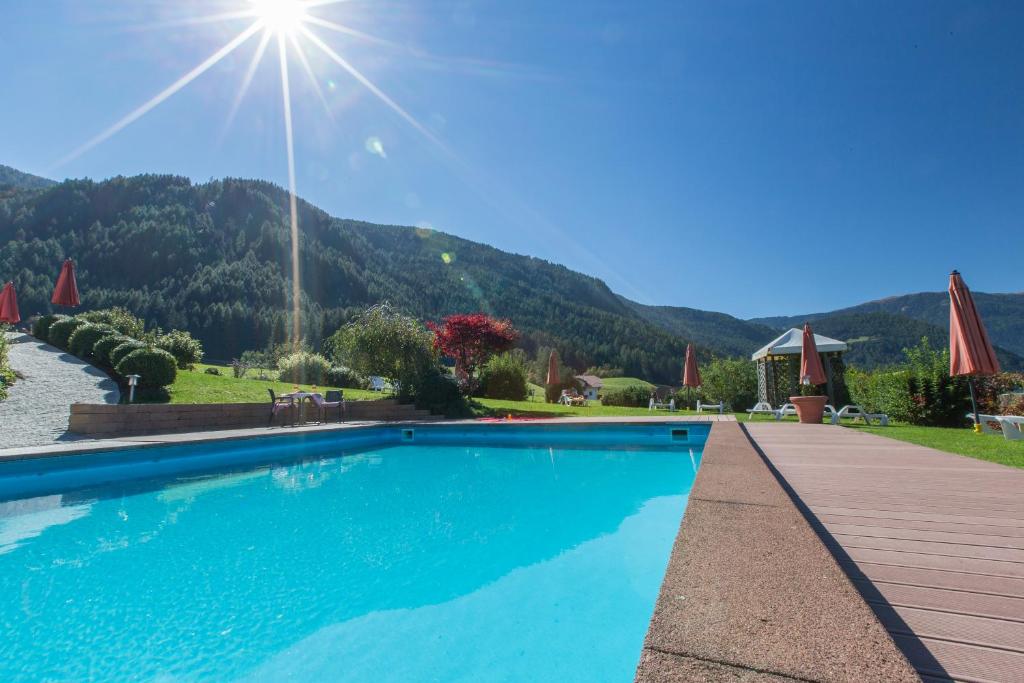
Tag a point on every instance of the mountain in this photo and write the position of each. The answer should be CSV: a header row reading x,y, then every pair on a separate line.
x,y
722,333
214,259
1003,314
13,179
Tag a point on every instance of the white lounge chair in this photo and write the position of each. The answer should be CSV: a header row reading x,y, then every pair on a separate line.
x,y
762,408
993,424
855,411
1013,427
661,405
786,409
379,384
701,407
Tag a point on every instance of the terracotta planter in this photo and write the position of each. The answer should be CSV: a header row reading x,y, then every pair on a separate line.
x,y
809,409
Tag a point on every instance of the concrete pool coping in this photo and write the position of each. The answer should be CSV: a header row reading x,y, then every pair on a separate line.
x,y
750,592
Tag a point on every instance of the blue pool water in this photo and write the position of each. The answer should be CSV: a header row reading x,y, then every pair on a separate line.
x,y
447,559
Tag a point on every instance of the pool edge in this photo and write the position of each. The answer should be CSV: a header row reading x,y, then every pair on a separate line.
x,y
750,592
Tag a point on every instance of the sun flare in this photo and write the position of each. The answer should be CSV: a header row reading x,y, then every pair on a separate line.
x,y
281,16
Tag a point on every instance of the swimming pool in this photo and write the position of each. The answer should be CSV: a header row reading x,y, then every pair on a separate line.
x,y
482,553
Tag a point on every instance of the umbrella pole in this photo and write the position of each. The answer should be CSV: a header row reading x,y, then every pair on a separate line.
x,y
974,405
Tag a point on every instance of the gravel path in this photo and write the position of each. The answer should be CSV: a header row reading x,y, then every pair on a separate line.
x,y
38,405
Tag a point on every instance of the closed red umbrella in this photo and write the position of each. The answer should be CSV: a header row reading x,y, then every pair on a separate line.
x,y
811,370
66,291
553,377
691,374
970,351
9,305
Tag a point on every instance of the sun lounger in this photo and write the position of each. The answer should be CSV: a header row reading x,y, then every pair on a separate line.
x,y
1013,427
762,408
786,409
855,411
661,405
701,407
377,384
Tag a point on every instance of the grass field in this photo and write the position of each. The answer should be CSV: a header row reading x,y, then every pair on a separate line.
x,y
195,386
623,382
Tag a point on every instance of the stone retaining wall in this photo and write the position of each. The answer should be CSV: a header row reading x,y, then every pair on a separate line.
x,y
156,418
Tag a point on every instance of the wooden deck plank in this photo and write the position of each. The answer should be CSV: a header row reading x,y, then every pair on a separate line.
x,y
934,542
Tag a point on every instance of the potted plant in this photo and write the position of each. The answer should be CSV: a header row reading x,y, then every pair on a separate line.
x,y
810,405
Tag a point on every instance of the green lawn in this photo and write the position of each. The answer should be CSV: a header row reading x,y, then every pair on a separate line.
x,y
961,441
195,386
623,382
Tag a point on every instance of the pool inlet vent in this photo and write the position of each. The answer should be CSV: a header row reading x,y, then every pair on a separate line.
x,y
408,434
680,434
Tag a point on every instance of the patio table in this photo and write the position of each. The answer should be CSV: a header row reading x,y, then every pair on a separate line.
x,y
299,397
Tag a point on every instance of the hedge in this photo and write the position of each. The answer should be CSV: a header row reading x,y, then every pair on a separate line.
x,y
634,395
61,330
303,368
156,368
119,352
102,348
83,339
41,326
186,349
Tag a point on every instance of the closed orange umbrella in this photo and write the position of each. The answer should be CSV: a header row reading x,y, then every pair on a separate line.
x,y
9,305
970,351
691,374
66,291
553,376
811,370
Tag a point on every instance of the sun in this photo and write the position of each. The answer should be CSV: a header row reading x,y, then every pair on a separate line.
x,y
281,16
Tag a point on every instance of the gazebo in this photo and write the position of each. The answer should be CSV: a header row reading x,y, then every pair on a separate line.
x,y
778,367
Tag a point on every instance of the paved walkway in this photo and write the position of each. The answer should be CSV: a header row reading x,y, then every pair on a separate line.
x,y
37,408
934,542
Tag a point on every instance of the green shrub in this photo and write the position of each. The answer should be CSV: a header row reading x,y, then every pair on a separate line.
x,y
504,377
102,348
730,380
634,395
156,368
41,326
61,330
920,391
83,340
436,391
6,373
212,371
304,368
118,318
123,350
346,378
187,350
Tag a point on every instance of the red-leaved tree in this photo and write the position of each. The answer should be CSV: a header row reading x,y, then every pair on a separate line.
x,y
471,339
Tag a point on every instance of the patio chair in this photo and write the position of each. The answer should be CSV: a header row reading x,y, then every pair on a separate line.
x,y
322,406
701,407
1013,427
377,384
762,408
279,403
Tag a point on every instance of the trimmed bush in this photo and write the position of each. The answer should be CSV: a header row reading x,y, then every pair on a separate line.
x,y
346,378
156,368
123,350
303,368
437,392
633,396
119,318
102,348
187,350
212,371
504,377
41,326
83,339
61,330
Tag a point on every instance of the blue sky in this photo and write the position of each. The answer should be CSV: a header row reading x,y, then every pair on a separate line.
x,y
695,154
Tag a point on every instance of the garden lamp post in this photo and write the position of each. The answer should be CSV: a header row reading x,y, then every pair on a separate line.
x,y
133,380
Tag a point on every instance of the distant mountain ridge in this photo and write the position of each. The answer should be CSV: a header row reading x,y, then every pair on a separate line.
x,y
213,258
12,178
1003,314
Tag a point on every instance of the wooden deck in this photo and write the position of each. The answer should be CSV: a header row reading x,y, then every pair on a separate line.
x,y
933,541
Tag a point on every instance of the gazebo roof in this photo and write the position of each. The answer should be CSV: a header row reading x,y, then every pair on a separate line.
x,y
791,343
